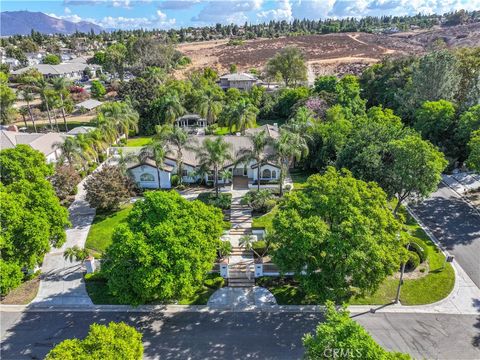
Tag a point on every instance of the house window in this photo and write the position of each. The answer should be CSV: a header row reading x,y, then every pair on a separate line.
x,y
266,174
147,177
274,174
184,173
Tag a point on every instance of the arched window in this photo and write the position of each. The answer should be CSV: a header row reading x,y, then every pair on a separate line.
x,y
147,177
266,174
274,174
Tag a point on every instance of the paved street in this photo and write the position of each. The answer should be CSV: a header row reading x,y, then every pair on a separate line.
x,y
240,335
456,226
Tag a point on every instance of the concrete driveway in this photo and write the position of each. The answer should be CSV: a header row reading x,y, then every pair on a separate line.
x,y
456,225
239,335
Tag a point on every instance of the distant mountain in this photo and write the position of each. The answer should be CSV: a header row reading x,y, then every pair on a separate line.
x,y
22,23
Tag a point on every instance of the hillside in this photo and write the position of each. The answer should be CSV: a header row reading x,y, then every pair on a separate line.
x,y
338,53
22,23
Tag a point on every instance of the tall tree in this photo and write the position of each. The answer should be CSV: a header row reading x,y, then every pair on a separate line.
x,y
164,250
473,160
256,153
209,103
244,115
435,120
60,86
289,146
43,88
415,169
338,235
179,139
289,62
212,155
156,150
27,95
115,59
7,99
70,150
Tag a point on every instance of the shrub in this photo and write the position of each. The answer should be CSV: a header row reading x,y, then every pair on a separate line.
x,y
260,201
224,249
175,180
412,262
223,201
420,249
65,181
214,281
260,247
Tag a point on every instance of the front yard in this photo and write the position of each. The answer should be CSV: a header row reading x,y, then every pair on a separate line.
x,y
138,141
427,288
100,234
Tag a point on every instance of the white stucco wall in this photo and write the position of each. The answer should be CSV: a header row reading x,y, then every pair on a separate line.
x,y
269,167
146,169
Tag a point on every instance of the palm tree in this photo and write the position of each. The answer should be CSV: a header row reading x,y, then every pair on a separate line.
x,y
24,112
71,151
172,109
60,85
157,151
209,105
289,146
120,115
42,88
88,152
212,154
178,138
28,96
226,175
75,253
256,153
247,241
97,142
244,115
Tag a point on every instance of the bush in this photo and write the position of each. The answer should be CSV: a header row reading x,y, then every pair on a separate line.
x,y
65,181
175,180
95,276
224,249
412,262
420,249
223,201
260,201
214,281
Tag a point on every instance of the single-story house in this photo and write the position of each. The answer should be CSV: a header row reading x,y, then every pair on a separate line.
x,y
88,105
41,142
69,70
145,174
241,81
81,130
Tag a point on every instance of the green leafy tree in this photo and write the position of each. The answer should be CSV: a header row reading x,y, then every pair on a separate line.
x,y
51,59
164,251
340,337
416,168
97,89
473,160
23,163
468,122
338,235
120,117
208,103
65,181
11,276
107,188
435,120
289,147
212,155
348,94
108,342
290,63
7,99
115,59
27,95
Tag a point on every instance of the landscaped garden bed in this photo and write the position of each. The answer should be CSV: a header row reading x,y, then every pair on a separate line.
x,y
98,290
24,294
223,201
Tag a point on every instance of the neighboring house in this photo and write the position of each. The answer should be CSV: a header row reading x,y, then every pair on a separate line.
x,y
81,130
35,58
191,121
88,105
69,70
241,81
144,174
41,142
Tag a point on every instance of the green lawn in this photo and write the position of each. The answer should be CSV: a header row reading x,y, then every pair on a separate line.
x,y
139,141
299,178
100,234
98,290
428,289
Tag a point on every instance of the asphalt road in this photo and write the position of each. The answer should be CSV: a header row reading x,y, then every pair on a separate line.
x,y
230,335
456,225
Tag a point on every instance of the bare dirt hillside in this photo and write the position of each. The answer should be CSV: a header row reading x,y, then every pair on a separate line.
x,y
326,54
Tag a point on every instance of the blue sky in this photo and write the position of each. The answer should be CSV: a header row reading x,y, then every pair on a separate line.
x,y
165,14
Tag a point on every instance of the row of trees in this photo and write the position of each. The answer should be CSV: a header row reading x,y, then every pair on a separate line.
x,y
31,215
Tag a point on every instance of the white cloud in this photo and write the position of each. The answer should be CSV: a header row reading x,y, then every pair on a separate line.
x,y
67,10
225,11
283,12
72,17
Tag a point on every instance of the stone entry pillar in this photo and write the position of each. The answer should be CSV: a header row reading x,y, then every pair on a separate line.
x,y
224,270
258,270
